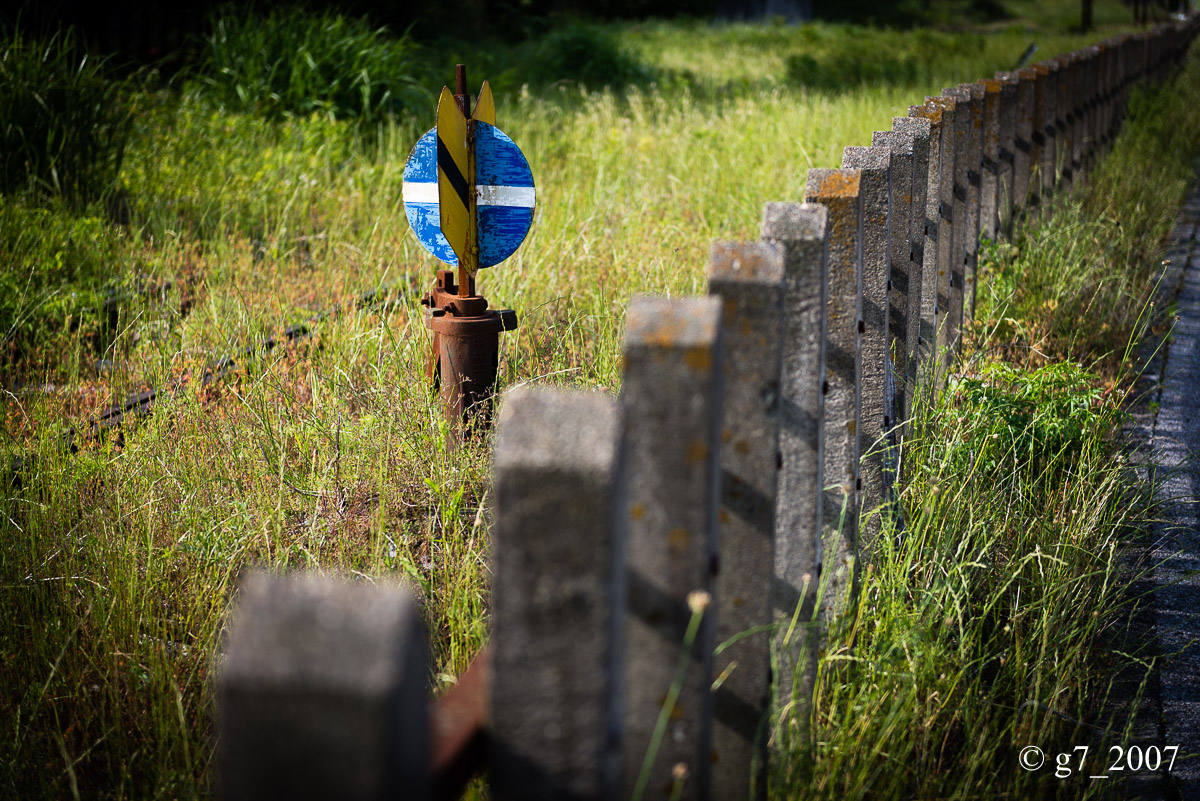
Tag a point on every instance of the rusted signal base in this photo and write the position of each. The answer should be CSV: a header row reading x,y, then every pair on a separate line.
x,y
458,724
466,352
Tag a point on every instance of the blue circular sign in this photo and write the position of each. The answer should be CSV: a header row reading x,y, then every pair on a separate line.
x,y
504,196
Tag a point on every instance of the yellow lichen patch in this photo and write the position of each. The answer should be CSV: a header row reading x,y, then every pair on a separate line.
x,y
698,358
839,183
678,538
851,426
697,451
742,447
637,511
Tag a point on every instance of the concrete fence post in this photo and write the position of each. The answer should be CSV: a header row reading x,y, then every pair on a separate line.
x,y
974,220
749,279
910,135
949,327
1032,123
557,597
901,274
990,180
939,202
1043,141
1023,146
671,395
1007,190
1089,66
877,382
840,192
323,693
801,230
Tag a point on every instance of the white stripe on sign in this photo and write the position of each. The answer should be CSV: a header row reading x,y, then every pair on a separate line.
x,y
519,196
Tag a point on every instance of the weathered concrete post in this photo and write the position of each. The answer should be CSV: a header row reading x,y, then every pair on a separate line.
x,y
1023,147
1089,67
1068,99
671,395
903,296
801,230
840,192
974,154
911,135
952,325
558,597
876,404
1036,111
322,693
990,181
1043,117
935,286
749,279
1007,190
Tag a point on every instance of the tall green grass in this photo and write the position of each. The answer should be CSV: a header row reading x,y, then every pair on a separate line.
x,y
64,122
288,61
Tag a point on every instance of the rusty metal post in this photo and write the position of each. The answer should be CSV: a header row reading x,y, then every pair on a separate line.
x,y
466,353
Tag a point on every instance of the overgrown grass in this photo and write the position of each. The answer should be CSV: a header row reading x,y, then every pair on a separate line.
x,y
119,563
993,620
290,62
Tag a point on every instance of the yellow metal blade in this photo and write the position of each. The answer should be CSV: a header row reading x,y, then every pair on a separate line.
x,y
454,176
485,106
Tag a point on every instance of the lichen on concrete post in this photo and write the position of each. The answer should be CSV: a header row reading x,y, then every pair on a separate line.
x,y
876,405
801,230
323,693
557,567
749,279
840,192
671,395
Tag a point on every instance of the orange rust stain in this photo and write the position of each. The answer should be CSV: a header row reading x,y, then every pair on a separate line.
x,y
742,447
678,538
677,712
726,435
723,516
697,451
637,511
992,84
738,601
907,198
698,358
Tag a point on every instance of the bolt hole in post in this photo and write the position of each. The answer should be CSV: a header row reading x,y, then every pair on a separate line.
x,y
469,198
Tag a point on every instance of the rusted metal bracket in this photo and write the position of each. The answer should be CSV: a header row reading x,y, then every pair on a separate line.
x,y
465,356
459,723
